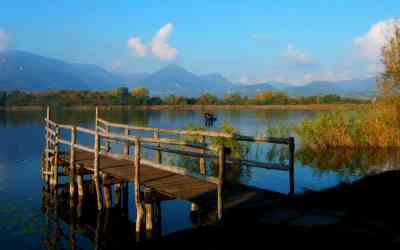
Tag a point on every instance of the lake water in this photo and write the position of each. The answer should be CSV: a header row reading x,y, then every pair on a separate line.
x,y
25,221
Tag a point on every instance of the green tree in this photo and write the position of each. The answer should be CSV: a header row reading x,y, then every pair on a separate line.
x,y
207,99
141,92
174,100
234,99
120,92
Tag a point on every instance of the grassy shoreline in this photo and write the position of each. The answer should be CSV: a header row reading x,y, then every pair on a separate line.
x,y
300,107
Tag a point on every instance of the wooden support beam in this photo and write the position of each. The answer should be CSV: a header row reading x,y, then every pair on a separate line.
x,y
126,145
96,175
72,163
107,191
138,202
56,158
148,204
158,152
47,152
80,185
202,161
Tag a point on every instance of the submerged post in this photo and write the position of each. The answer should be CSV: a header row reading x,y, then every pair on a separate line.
x,y
291,166
138,202
221,178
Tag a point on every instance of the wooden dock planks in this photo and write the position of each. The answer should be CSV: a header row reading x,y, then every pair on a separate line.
x,y
173,185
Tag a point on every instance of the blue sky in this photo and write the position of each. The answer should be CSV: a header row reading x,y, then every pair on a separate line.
x,y
247,41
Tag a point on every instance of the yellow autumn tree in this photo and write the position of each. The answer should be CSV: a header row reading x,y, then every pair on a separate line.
x,y
389,80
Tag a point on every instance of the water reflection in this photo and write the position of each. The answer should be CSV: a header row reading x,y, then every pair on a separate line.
x,y
347,162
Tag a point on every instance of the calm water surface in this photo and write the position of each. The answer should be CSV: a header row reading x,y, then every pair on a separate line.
x,y
25,220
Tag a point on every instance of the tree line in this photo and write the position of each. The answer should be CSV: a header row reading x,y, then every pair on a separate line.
x,y
141,96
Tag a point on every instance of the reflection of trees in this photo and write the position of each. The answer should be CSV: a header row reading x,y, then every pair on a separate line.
x,y
347,161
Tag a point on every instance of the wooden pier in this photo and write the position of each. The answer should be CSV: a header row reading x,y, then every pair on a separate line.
x,y
152,179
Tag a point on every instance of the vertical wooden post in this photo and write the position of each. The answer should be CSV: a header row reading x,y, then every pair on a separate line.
x,y
126,145
107,143
202,161
221,177
56,157
97,118
96,168
107,191
72,163
47,153
291,166
148,204
158,152
80,185
138,202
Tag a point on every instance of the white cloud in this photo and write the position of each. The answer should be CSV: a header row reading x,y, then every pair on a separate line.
x,y
136,45
370,44
297,56
4,40
158,47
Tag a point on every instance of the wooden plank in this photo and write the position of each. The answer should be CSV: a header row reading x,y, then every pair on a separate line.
x,y
180,171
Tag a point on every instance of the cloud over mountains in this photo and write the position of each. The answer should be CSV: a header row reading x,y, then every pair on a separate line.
x,y
158,47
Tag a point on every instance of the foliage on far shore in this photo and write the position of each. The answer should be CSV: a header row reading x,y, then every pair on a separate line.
x,y
141,96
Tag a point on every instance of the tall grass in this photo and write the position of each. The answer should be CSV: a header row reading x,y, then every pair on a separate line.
x,y
377,125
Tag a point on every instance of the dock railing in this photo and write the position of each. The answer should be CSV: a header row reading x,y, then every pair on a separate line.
x,y
103,136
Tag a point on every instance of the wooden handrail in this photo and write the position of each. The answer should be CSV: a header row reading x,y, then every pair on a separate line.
x,y
86,130
131,139
218,134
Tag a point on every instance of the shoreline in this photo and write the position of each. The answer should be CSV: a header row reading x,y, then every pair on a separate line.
x,y
300,107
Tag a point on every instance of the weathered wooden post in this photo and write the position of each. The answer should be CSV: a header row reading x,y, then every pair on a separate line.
x,y
47,153
56,157
291,166
158,152
126,145
138,202
221,178
107,191
97,166
202,161
149,208
80,185
72,163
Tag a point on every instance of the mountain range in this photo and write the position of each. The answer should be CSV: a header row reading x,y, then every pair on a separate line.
x,y
29,72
